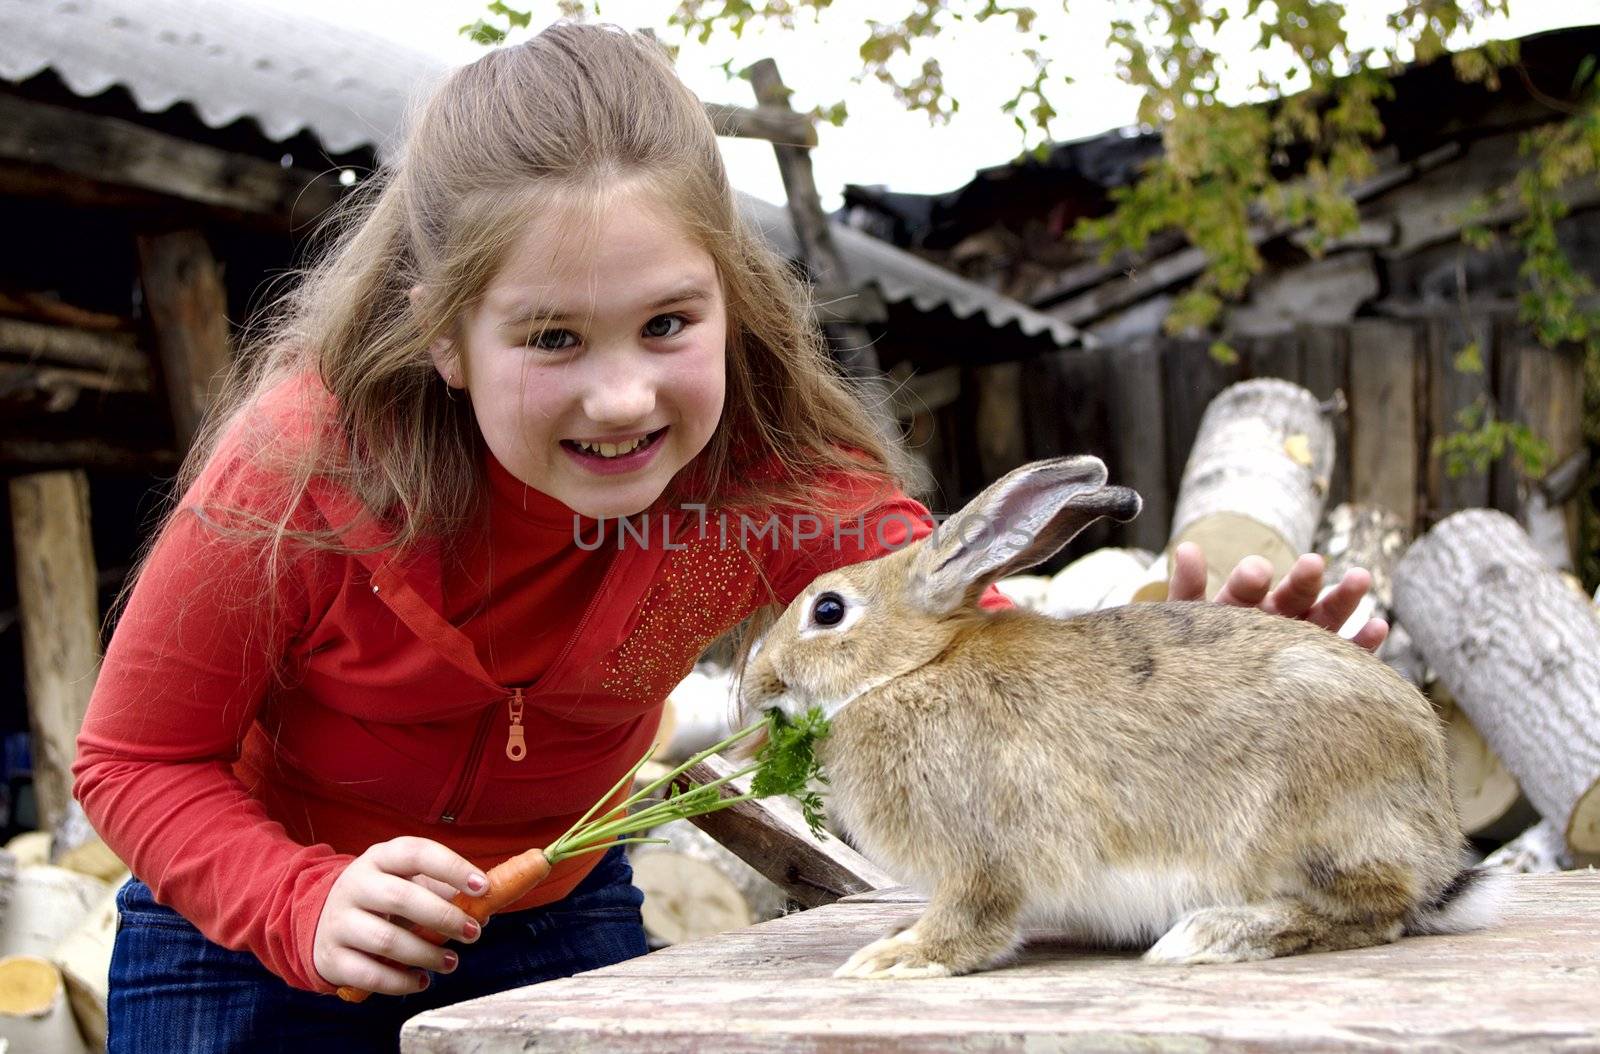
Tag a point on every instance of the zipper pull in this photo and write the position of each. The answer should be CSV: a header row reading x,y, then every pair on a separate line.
x,y
516,746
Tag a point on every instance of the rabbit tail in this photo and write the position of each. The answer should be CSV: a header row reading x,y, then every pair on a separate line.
x,y
1470,901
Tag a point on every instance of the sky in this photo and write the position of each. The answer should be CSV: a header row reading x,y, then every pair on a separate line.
x,y
881,143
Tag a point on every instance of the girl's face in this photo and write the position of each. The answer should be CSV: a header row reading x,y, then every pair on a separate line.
x,y
595,360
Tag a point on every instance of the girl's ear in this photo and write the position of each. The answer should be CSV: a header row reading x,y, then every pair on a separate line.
x,y
441,351
1021,519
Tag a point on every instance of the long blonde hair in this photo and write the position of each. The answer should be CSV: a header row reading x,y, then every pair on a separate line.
x,y
573,109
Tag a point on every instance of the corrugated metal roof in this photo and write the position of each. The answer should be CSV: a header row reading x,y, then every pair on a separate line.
x,y
351,89
901,277
226,58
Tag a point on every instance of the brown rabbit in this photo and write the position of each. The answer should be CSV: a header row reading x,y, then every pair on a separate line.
x,y
1229,784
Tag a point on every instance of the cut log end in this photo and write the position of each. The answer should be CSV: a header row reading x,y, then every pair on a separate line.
x,y
29,986
1583,831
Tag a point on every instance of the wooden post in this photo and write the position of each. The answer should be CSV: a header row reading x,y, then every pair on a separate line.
x,y
60,623
819,253
1384,457
189,314
1542,388
1452,390
851,341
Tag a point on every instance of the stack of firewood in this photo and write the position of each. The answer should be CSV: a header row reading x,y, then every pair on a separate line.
x,y
58,917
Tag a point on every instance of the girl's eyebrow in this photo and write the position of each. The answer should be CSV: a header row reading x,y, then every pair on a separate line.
x,y
522,315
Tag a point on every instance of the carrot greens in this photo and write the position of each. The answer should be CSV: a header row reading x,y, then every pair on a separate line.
x,y
785,764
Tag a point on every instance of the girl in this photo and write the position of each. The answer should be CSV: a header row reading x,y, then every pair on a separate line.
x,y
508,460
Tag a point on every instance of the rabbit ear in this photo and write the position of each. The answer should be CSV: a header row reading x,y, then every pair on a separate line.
x,y
1019,520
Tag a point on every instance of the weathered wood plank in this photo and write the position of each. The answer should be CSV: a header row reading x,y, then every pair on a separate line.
x,y
776,124
1384,454
60,623
1542,388
771,836
1453,390
1136,415
1529,983
189,312
1325,372
120,153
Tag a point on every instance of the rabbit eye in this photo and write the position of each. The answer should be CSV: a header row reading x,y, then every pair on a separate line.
x,y
827,609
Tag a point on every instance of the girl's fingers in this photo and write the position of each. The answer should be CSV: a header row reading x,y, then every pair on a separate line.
x,y
410,902
1188,581
434,886
1296,595
386,940
1372,635
423,856
1247,586
364,972
1335,609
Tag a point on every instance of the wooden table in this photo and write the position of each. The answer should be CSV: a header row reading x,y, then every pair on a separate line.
x,y
1531,983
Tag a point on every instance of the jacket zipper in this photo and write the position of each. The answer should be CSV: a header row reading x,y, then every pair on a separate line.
x,y
516,744
470,772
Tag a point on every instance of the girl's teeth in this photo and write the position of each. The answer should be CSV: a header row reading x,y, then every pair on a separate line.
x,y
613,449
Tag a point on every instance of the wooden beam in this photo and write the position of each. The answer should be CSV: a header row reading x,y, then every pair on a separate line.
x,y
189,313
108,353
32,455
41,307
58,389
776,124
771,836
60,623
120,153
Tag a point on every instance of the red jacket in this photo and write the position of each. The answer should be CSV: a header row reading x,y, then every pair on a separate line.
x,y
239,788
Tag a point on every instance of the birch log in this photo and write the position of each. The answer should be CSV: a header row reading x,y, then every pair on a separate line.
x,y
34,1014
1520,652
693,887
1104,578
1255,482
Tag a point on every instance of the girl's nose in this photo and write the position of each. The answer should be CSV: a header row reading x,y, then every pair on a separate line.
x,y
621,391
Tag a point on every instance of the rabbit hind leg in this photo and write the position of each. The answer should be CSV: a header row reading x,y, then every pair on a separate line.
x,y
1353,907
970,923
1250,932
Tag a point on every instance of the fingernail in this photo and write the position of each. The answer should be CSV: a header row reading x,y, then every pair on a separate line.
x,y
472,930
422,981
477,883
450,961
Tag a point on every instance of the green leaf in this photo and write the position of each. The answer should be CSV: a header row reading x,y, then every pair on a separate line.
x,y
1469,359
788,762
481,32
1223,354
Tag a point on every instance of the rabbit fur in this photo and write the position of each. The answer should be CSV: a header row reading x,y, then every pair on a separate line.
x,y
1227,784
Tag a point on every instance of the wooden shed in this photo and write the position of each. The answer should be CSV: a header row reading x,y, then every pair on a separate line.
x,y
1382,317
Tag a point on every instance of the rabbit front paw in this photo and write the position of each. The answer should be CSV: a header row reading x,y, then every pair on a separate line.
x,y
899,956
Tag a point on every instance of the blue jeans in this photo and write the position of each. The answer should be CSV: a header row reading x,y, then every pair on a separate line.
x,y
174,992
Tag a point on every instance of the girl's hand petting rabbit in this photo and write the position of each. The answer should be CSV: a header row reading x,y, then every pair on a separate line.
x,y
1217,780
1297,596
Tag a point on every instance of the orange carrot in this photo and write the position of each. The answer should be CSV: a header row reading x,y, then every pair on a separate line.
x,y
509,882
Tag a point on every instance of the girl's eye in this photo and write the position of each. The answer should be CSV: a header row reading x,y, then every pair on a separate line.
x,y
664,326
827,609
552,340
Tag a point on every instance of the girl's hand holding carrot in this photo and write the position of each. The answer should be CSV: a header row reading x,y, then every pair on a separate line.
x,y
365,937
